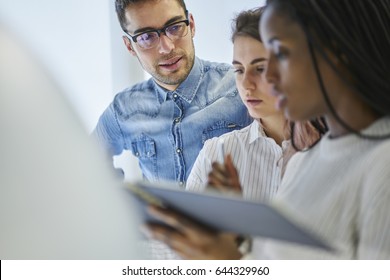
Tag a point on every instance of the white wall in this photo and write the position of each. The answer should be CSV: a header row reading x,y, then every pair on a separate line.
x,y
213,26
80,44
72,39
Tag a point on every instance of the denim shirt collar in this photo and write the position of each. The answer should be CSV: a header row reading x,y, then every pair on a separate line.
x,y
188,88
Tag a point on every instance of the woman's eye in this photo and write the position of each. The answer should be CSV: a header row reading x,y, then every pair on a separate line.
x,y
238,71
261,69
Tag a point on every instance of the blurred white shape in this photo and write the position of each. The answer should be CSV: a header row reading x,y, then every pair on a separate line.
x,y
58,199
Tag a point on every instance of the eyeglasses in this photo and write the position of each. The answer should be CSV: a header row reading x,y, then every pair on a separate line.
x,y
149,39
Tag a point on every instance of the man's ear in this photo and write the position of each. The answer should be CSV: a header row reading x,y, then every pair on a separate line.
x,y
192,24
128,45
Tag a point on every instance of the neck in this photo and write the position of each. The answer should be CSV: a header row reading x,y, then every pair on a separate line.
x,y
357,116
275,128
338,130
167,87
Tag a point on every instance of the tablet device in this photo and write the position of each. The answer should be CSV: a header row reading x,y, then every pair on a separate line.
x,y
222,212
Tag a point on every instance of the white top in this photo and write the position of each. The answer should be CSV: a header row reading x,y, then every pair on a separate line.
x,y
342,193
258,160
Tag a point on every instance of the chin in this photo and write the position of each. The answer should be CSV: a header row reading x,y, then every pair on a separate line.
x,y
255,115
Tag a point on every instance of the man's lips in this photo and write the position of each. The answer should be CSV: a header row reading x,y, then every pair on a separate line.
x,y
170,62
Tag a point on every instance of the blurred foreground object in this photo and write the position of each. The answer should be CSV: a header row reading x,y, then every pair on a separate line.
x,y
57,197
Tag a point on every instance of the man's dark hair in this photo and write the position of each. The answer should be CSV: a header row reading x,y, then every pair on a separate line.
x,y
121,5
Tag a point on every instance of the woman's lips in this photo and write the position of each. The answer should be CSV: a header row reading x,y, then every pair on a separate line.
x,y
253,102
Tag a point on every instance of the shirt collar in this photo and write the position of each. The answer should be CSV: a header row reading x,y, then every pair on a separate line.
x,y
188,88
256,131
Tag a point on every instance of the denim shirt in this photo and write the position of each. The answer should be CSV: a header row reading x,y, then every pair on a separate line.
x,y
165,129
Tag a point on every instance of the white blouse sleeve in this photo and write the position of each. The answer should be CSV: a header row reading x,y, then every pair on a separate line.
x,y
198,178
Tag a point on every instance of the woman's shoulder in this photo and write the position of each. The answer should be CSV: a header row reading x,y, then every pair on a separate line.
x,y
229,136
378,156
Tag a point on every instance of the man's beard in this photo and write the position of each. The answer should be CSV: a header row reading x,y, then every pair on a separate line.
x,y
172,78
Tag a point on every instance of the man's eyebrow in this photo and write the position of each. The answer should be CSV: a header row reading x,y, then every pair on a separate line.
x,y
172,20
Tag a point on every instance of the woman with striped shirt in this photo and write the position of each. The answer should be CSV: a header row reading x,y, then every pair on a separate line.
x,y
257,150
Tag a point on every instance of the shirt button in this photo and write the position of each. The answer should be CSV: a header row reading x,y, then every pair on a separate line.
x,y
175,95
136,154
181,183
178,151
177,120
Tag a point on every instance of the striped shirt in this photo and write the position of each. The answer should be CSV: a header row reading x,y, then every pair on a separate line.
x,y
340,190
258,160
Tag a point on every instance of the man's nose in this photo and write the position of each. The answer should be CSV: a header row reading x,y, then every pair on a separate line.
x,y
166,44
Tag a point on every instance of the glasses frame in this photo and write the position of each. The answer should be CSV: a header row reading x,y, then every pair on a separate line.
x,y
159,31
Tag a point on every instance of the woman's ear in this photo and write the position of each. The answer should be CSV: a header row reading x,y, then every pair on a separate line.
x,y
128,45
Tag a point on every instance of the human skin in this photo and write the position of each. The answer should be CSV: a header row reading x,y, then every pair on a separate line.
x,y
250,62
296,85
299,95
170,62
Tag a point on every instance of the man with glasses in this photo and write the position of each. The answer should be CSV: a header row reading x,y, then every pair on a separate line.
x,y
165,120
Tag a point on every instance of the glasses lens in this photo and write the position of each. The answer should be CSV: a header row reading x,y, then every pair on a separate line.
x,y
147,40
176,30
